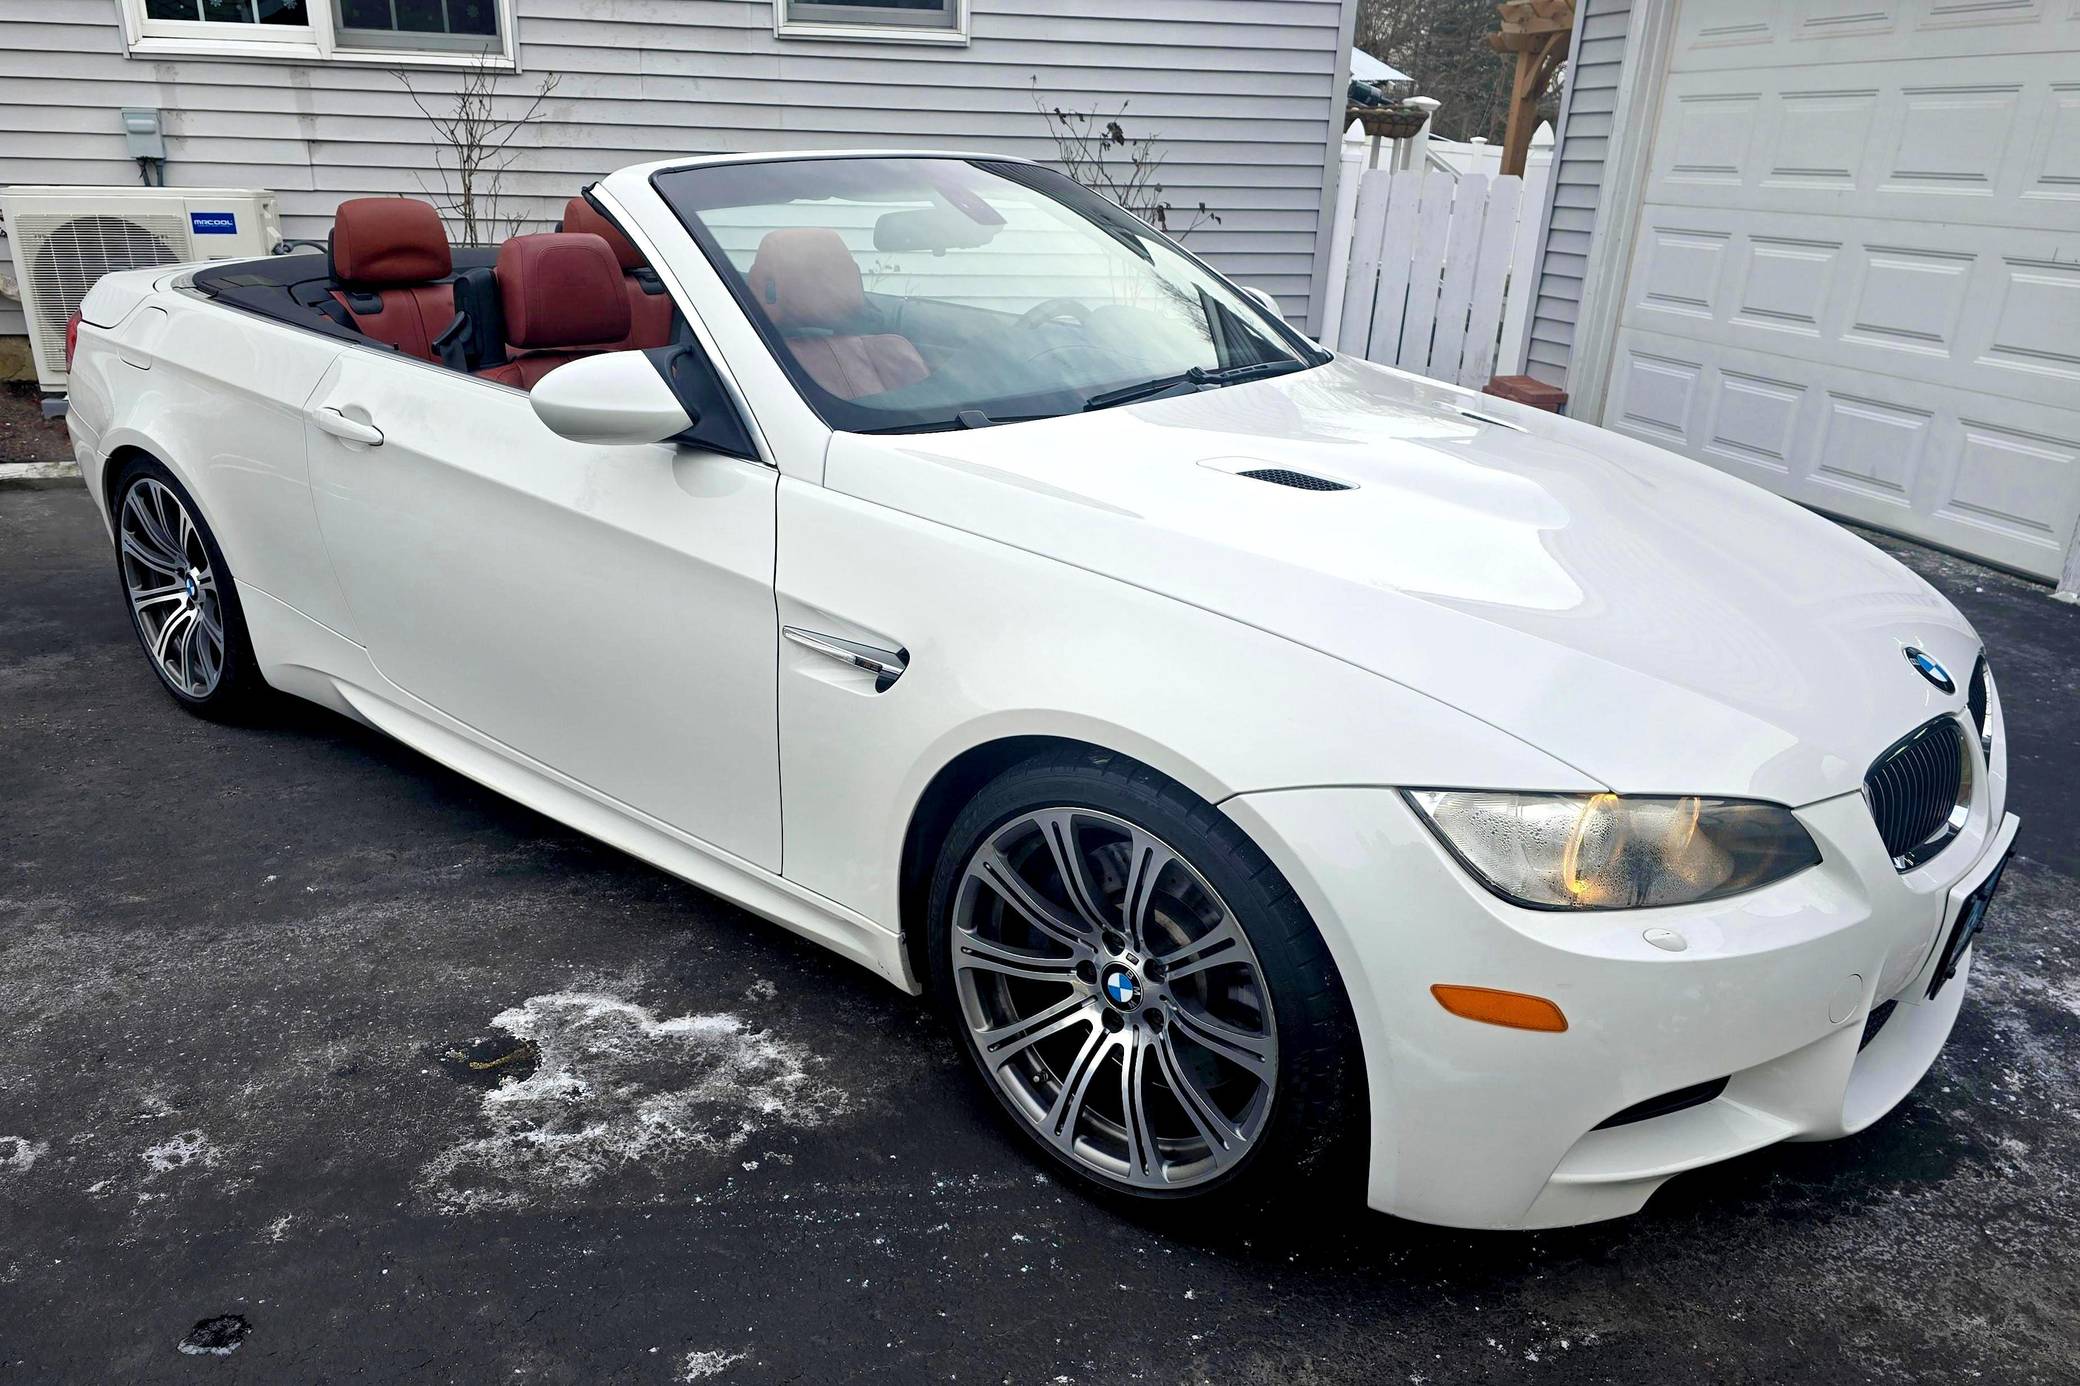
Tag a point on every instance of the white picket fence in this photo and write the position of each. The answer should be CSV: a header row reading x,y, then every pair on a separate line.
x,y
1431,269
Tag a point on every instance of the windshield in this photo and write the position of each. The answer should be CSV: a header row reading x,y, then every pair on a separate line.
x,y
908,294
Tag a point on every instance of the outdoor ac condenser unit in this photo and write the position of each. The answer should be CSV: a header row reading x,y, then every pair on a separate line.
x,y
64,238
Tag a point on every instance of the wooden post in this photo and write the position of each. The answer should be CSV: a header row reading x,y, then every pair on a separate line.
x,y
1536,31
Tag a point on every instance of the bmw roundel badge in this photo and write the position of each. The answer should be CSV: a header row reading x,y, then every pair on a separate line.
x,y
1930,670
1122,988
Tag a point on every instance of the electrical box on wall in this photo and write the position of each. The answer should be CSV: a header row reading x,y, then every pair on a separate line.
x,y
142,133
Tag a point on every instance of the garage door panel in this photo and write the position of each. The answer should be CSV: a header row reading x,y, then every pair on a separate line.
x,y
1988,140
2054,166
2037,327
1999,473
1933,302
1988,475
1723,34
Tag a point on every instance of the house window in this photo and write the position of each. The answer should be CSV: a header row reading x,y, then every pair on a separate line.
x,y
230,11
896,21
465,25
432,33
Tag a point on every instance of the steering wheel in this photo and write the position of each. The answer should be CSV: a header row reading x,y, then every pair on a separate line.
x,y
1053,310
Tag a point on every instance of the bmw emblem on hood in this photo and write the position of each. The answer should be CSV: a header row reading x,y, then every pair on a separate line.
x,y
1930,670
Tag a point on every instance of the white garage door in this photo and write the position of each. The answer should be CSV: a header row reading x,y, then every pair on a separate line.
x,y
1856,276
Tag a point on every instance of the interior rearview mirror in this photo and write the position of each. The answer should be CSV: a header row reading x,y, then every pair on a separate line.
x,y
931,228
615,397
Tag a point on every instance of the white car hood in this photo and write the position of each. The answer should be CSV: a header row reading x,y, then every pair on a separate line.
x,y
1656,624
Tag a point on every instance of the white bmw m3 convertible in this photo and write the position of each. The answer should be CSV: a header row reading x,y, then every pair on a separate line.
x,y
1278,766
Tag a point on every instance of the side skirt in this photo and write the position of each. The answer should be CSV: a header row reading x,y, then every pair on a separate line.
x,y
300,656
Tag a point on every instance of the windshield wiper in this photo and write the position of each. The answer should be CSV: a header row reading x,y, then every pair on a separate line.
x,y
1198,377
967,418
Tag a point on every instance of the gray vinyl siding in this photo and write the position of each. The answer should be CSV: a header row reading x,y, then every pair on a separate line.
x,y
1585,134
1239,91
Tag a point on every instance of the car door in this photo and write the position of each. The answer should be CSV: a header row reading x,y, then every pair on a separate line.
x,y
606,611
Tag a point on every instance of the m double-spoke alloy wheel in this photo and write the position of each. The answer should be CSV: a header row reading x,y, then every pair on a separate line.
x,y
183,603
1113,998
173,587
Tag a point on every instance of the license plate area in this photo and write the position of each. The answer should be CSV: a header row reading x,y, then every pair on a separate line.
x,y
1971,918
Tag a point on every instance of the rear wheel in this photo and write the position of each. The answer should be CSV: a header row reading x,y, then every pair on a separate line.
x,y
1138,986
182,603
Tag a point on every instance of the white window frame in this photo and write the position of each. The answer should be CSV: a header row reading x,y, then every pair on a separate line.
x,y
870,32
318,42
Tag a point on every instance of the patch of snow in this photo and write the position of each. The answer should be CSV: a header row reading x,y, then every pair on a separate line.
x,y
761,990
616,1087
17,1153
698,1366
180,1152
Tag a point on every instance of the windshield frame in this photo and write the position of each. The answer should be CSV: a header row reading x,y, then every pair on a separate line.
x,y
842,415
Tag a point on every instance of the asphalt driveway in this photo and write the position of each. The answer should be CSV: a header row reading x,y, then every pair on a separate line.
x,y
245,975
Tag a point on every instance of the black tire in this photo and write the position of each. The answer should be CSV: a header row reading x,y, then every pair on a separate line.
x,y
238,691
1311,1147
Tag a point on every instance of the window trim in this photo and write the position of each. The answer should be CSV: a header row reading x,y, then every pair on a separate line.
x,y
871,31
319,41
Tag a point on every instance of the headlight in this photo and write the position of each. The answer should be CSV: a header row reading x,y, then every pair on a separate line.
x,y
1607,852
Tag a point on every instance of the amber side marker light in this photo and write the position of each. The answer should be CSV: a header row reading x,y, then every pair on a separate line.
x,y
1509,1008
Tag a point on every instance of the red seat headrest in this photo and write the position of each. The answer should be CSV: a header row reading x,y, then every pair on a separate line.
x,y
804,276
380,241
561,289
580,215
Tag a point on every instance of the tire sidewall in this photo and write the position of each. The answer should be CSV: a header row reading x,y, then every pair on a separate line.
x,y
1289,951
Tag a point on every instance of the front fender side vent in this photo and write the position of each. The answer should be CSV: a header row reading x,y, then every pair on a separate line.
x,y
1299,481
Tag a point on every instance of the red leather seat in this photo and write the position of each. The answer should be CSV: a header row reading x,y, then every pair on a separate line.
x,y
649,306
809,285
390,259
562,299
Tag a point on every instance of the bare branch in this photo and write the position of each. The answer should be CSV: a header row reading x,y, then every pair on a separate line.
x,y
475,148
1094,148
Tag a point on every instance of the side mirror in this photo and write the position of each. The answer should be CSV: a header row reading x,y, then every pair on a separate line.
x,y
1270,303
616,397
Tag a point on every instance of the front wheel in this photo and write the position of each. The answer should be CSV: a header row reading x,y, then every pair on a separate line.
x,y
1139,987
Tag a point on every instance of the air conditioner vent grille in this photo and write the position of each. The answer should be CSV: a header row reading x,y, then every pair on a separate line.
x,y
61,254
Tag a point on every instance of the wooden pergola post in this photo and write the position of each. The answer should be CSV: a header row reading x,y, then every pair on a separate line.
x,y
1536,31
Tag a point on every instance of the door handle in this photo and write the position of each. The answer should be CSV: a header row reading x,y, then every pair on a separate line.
x,y
340,426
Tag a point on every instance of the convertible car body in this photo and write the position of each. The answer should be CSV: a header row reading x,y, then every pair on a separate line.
x,y
1275,763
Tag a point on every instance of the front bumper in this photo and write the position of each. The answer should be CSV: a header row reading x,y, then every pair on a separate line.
x,y
1478,1126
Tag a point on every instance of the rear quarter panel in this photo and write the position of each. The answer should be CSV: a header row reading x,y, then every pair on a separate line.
x,y
217,396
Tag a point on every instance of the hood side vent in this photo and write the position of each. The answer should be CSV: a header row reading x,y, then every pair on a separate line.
x,y
1299,481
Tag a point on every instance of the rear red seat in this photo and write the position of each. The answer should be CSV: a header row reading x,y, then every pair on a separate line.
x,y
390,258
562,299
649,306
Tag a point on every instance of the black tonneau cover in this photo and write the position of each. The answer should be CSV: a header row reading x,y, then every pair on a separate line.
x,y
297,289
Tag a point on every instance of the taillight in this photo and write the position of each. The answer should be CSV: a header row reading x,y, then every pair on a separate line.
x,y
71,339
